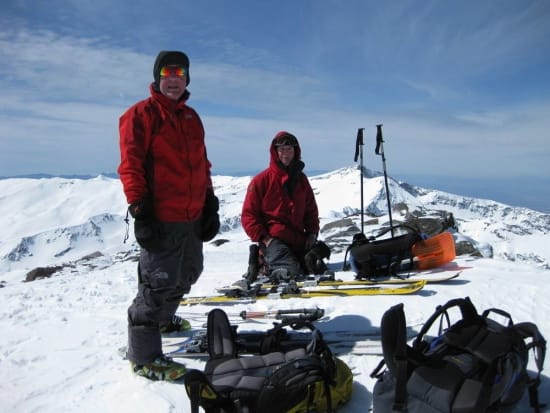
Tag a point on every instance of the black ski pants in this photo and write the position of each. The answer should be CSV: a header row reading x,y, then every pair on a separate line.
x,y
163,278
281,261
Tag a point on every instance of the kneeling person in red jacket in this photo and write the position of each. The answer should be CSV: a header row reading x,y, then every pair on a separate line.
x,y
280,212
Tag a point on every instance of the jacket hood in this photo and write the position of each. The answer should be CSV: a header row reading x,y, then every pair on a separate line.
x,y
286,138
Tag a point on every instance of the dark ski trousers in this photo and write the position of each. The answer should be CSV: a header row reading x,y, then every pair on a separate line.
x,y
163,278
281,261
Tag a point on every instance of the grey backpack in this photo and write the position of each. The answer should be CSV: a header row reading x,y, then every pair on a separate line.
x,y
474,365
276,380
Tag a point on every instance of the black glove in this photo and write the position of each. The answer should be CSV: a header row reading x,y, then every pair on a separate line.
x,y
321,249
210,221
314,259
142,209
146,227
311,239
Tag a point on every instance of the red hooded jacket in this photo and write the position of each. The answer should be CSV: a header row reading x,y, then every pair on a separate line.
x,y
270,209
163,156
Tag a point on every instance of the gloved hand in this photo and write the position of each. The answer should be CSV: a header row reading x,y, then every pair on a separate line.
x,y
314,259
310,241
210,221
146,227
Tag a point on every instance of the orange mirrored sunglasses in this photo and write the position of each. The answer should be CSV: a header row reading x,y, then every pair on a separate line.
x,y
167,71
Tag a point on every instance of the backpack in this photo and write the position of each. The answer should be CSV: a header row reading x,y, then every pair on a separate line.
x,y
373,258
474,365
278,379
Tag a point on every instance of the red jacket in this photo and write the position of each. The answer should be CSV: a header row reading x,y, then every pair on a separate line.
x,y
163,155
269,209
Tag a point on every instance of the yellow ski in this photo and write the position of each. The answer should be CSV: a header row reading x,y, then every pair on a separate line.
x,y
317,291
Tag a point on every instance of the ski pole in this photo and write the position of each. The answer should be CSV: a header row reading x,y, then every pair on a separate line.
x,y
307,313
310,314
380,151
359,152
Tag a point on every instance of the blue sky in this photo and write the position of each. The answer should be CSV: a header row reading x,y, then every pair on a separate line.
x,y
462,87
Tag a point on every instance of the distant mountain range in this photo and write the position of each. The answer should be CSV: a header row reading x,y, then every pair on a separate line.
x,y
70,176
59,220
530,192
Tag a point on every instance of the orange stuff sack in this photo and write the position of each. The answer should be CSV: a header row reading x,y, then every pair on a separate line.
x,y
434,251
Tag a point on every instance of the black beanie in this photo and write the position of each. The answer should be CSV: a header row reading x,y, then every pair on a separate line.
x,y
167,58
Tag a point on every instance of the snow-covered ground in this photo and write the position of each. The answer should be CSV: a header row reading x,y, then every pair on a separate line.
x,y
60,336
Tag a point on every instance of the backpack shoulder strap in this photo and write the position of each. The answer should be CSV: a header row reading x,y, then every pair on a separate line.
x,y
155,119
529,330
408,228
198,388
358,238
271,341
393,331
221,338
467,309
394,348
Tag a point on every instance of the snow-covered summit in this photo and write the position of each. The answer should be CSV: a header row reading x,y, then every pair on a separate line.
x,y
61,350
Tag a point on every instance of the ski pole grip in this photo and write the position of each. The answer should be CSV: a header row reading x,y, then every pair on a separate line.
x,y
358,142
245,315
379,139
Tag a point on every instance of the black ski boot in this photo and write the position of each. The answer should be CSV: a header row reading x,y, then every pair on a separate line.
x,y
253,269
253,263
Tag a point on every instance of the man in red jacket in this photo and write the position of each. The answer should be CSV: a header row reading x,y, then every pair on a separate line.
x,y
280,212
165,175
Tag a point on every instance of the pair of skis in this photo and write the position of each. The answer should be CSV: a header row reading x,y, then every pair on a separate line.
x,y
434,279
313,288
249,296
194,343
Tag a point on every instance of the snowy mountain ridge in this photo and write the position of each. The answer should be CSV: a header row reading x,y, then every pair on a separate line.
x,y
65,331
57,219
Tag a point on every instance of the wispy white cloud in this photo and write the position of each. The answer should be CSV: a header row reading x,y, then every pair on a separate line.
x,y
422,69
46,66
498,144
453,40
60,138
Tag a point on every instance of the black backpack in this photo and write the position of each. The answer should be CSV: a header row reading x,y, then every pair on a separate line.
x,y
278,379
373,258
474,365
